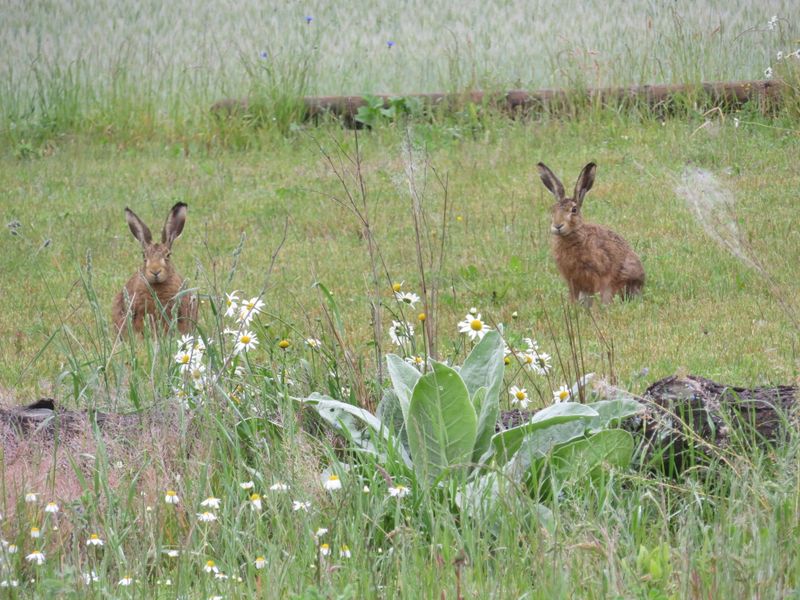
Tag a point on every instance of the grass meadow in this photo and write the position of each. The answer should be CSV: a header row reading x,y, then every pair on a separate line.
x,y
223,480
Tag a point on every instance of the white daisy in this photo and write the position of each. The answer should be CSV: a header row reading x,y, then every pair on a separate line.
x,y
399,491
416,361
250,309
206,517
255,501
51,507
246,485
37,556
210,567
125,581
324,549
260,562
90,578
95,540
320,532
35,533
279,487
401,332
313,343
519,396
9,583
211,502
187,359
172,553
344,551
171,497
245,341
232,303
562,394
197,375
31,497
297,505
473,326
333,483
409,298
533,345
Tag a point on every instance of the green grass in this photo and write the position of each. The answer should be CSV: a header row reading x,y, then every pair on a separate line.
x,y
726,530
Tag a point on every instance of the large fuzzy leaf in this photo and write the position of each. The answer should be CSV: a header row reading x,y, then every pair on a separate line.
x,y
506,443
441,424
404,377
484,367
487,411
586,457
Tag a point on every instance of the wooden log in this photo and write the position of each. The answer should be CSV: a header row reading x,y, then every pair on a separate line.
x,y
767,93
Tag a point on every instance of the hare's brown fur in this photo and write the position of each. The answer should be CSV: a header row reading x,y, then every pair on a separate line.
x,y
156,279
591,258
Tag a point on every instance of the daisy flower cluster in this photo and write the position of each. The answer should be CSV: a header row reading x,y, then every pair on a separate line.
x,y
190,357
401,331
243,312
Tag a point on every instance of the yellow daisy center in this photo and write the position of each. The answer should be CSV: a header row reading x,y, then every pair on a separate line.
x,y
245,339
563,394
396,287
476,324
507,361
94,536
520,395
185,359
333,478
254,497
283,344
210,564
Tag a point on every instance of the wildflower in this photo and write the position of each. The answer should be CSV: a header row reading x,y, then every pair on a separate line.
x,y
736,122
90,578
473,326
389,43
400,333
263,55
284,344
399,491
232,299
95,540
260,562
473,311
532,344
206,517
409,298
51,507
416,361
768,73
255,501
519,396
297,505
172,553
772,23
197,374
211,502
189,342
245,342
344,551
12,549
779,56
309,19
541,363
324,549
125,581
514,315
279,487
365,489
210,567
422,317
333,483
35,533
30,497
186,359
562,394
249,309
246,485
37,556
320,532
396,287
171,497
313,343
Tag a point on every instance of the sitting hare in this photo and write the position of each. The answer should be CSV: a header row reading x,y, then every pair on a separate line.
x,y
156,280
592,258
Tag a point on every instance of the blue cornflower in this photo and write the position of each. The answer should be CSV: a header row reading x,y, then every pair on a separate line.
x,y
390,43
264,54
309,19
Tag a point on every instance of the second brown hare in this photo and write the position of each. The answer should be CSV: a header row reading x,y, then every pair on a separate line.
x,y
155,293
591,258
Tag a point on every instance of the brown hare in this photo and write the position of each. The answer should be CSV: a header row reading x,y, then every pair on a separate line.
x,y
592,258
157,279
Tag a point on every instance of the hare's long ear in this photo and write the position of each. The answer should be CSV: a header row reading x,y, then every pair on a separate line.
x,y
550,181
138,228
174,225
585,182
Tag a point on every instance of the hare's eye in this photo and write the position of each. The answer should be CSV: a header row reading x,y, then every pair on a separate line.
x,y
574,210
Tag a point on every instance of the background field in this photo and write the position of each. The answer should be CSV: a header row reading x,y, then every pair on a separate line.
x,y
105,105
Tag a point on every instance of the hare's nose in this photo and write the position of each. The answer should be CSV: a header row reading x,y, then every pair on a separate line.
x,y
559,226
156,273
